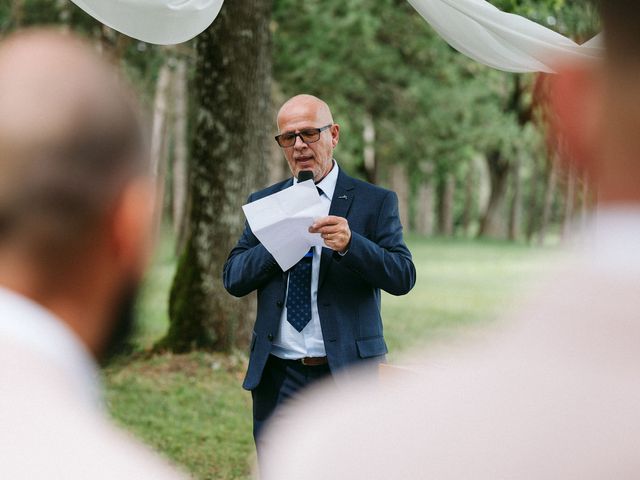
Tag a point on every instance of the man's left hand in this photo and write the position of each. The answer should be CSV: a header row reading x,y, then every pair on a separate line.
x,y
335,232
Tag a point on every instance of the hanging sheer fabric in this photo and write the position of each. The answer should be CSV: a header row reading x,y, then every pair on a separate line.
x,y
163,22
502,40
474,27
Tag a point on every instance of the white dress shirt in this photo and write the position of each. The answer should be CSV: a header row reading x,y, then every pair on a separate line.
x,y
289,343
52,424
26,324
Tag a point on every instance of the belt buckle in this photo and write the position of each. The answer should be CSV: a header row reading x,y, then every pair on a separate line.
x,y
303,361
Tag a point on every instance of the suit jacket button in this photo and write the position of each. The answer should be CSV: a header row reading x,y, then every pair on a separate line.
x,y
280,304
270,337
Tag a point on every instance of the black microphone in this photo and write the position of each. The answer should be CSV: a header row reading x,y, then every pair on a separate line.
x,y
305,175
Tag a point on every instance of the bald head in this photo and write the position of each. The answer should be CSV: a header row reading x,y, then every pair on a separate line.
x,y
308,105
304,113
69,135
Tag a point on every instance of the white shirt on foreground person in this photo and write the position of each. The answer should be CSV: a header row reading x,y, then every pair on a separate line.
x,y
52,425
553,395
289,343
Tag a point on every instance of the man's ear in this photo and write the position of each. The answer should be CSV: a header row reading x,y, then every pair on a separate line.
x,y
577,103
133,226
335,134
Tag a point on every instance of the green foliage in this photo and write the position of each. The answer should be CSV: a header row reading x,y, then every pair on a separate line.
x,y
461,284
189,407
430,104
575,18
434,109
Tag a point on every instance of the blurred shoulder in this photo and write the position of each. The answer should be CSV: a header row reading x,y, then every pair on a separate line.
x,y
66,439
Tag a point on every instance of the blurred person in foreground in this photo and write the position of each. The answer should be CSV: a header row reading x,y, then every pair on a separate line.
x,y
75,224
554,394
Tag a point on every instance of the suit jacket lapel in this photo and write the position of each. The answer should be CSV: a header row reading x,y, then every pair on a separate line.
x,y
340,205
287,184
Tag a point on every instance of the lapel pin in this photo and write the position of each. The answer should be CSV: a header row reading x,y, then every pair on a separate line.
x,y
343,197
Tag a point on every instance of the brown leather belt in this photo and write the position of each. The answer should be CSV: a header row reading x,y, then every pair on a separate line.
x,y
314,361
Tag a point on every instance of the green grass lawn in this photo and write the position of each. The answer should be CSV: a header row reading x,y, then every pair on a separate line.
x,y
192,408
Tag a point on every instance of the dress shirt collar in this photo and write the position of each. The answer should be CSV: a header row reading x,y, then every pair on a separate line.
x,y
328,183
29,326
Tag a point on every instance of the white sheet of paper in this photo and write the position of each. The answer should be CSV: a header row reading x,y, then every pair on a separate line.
x,y
281,222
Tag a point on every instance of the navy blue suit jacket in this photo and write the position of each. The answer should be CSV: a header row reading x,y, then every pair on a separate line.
x,y
348,286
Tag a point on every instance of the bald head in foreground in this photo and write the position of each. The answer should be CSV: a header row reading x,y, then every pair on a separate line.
x,y
75,231
554,394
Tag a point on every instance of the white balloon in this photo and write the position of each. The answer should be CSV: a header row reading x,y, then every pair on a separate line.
x,y
163,22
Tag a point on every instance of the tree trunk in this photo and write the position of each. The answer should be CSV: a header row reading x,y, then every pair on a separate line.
x,y
369,137
534,201
278,167
17,13
159,147
493,222
229,152
180,163
549,193
448,190
469,197
425,209
160,118
112,43
400,185
64,15
515,213
106,39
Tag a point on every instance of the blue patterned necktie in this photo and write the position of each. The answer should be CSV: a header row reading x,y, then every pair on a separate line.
x,y
299,293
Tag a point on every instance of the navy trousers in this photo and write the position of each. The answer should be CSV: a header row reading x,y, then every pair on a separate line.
x,y
280,382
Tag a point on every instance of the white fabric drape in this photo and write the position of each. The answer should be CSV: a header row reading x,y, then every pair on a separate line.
x,y
501,40
474,27
164,22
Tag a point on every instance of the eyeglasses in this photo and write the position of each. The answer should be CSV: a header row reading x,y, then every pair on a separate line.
x,y
308,135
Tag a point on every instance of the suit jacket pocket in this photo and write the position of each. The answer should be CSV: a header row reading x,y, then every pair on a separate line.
x,y
371,347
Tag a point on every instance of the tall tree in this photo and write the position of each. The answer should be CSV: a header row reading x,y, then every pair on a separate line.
x,y
515,211
180,178
229,152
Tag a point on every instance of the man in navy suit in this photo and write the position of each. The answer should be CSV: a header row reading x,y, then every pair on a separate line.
x,y
324,313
